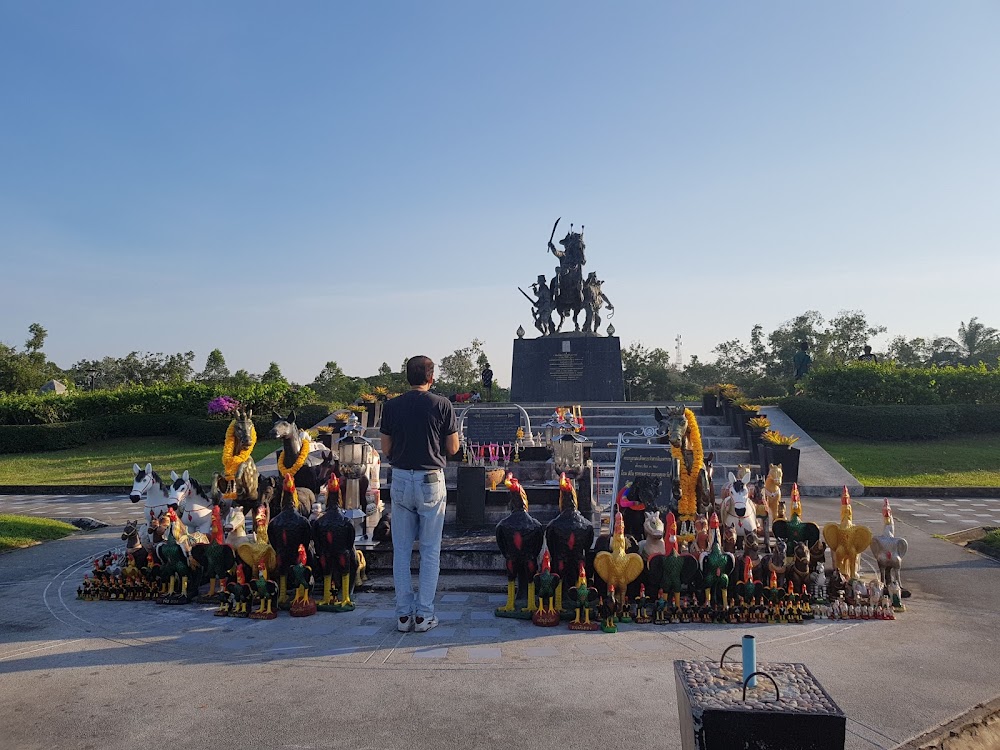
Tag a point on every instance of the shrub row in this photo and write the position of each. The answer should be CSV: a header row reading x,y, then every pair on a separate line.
x,y
864,384
189,398
196,430
901,422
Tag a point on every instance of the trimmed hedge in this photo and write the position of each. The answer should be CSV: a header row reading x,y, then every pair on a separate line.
x,y
189,398
49,437
866,384
35,438
904,422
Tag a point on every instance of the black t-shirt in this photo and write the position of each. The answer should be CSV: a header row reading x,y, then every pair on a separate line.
x,y
418,422
487,377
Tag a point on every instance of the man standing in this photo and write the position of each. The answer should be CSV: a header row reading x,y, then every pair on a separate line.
x,y
868,356
488,382
418,434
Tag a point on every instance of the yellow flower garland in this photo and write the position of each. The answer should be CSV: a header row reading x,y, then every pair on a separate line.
x,y
688,503
301,459
231,463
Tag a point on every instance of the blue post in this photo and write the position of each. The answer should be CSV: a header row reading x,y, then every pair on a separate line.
x,y
750,659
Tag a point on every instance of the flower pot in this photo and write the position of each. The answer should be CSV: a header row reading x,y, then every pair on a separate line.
x,y
788,457
753,439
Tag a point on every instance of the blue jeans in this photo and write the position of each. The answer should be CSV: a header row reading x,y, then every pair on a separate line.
x,y
417,515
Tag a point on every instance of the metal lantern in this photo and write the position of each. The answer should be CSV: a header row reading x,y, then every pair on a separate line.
x,y
354,451
567,453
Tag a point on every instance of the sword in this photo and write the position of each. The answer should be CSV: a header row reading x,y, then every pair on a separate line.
x,y
552,236
534,303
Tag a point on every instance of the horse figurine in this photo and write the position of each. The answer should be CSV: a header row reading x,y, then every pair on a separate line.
x,y
134,545
146,484
294,454
738,510
684,436
239,478
235,529
193,507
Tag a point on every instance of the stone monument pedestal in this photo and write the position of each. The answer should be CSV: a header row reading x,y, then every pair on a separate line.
x,y
568,368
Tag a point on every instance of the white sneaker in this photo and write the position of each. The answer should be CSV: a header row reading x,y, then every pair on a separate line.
x,y
404,624
425,623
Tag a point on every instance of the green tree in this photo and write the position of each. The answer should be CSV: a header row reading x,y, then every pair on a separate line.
x,y
273,374
975,343
215,370
848,333
649,376
914,352
459,371
141,368
333,385
26,371
242,378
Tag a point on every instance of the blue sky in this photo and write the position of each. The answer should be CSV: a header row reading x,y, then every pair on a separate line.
x,y
363,182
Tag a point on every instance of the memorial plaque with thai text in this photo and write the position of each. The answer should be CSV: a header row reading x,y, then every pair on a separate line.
x,y
491,425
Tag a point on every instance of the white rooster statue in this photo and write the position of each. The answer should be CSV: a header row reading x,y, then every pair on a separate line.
x,y
888,550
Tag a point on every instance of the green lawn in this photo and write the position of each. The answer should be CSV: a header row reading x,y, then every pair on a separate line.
x,y
110,462
960,461
23,531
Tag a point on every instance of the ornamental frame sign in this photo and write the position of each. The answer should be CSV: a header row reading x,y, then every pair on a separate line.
x,y
642,441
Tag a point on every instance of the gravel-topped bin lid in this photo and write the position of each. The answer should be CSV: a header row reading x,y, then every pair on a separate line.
x,y
714,714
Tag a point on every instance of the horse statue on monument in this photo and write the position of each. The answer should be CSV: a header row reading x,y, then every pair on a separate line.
x,y
566,286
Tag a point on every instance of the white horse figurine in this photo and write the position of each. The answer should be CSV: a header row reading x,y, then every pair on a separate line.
x,y
738,510
148,487
194,508
234,526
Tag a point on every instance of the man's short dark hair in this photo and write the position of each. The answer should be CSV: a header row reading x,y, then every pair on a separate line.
x,y
804,345
419,370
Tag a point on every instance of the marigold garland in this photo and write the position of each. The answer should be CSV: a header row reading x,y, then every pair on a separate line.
x,y
231,463
299,461
688,503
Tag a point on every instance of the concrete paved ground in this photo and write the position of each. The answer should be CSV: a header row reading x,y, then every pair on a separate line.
x,y
127,675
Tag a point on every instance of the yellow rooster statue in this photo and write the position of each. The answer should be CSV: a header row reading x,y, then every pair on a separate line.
x,y
618,568
847,541
261,550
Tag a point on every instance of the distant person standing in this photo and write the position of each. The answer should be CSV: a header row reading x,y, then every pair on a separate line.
x,y
867,356
488,382
801,362
418,433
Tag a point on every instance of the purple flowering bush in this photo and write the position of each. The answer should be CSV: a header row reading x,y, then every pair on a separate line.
x,y
221,406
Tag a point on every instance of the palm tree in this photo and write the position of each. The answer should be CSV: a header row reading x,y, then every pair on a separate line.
x,y
976,343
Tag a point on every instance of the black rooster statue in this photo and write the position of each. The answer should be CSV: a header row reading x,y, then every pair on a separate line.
x,y
568,537
520,538
286,532
337,558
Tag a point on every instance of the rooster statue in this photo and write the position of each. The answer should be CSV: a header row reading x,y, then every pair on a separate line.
x,y
333,539
583,597
287,531
253,553
671,572
568,536
216,558
240,596
174,563
619,568
302,605
716,566
520,538
546,586
795,530
888,550
847,541
265,592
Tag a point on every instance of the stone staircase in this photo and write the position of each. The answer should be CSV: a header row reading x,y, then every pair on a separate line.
x,y
473,549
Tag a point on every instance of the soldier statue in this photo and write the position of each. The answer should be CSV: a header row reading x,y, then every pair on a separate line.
x,y
593,300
